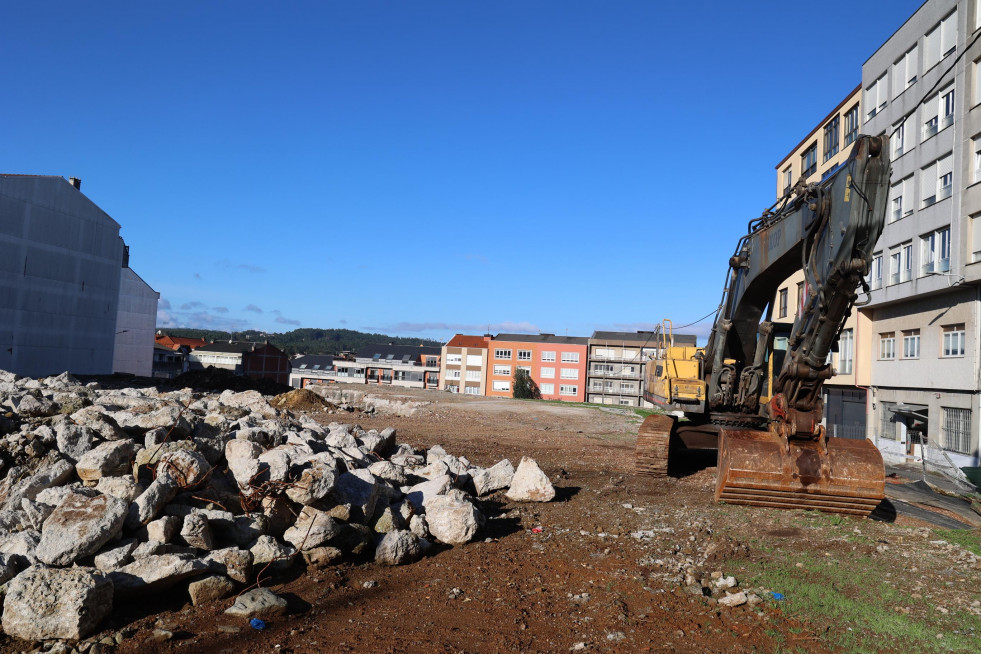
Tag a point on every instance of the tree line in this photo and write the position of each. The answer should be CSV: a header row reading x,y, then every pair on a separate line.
x,y
306,340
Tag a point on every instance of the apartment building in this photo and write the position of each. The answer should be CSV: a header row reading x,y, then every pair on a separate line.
x,y
247,358
312,370
411,366
464,368
616,365
815,158
922,87
557,364
65,284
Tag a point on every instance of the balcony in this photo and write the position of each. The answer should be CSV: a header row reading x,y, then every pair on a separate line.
x,y
614,373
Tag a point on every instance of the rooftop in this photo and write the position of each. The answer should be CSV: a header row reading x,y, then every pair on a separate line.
x,y
463,340
385,352
543,338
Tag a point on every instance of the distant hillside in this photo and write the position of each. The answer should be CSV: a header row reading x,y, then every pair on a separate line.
x,y
306,341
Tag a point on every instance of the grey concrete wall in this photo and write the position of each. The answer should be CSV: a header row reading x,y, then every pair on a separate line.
x,y
60,261
136,321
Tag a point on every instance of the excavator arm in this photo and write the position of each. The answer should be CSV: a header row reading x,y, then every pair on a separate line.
x,y
827,229
777,453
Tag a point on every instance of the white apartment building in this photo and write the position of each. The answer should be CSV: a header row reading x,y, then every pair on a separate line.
x,y
924,89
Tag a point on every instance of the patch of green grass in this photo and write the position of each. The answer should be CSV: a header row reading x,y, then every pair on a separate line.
x,y
969,539
861,608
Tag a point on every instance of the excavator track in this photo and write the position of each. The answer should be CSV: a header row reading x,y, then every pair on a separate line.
x,y
654,446
762,469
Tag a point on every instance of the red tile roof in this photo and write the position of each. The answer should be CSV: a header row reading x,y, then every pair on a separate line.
x,y
462,340
174,342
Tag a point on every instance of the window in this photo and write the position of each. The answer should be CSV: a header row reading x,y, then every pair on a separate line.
x,y
887,346
953,340
568,390
976,146
630,355
453,388
473,375
809,161
911,344
502,386
947,109
547,389
527,369
570,357
454,359
956,431
851,125
502,371
831,138
904,72
604,353
432,362
935,252
475,360
452,374
524,355
936,181
472,390
876,274
976,237
569,373
782,303
907,271
948,34
895,264
887,425
977,81
846,351
902,199
548,356
504,355
940,41
788,180
898,139
875,97
547,373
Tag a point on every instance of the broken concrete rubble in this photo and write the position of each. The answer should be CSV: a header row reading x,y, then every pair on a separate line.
x,y
156,489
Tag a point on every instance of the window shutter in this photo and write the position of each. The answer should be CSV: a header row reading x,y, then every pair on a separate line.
x,y
931,49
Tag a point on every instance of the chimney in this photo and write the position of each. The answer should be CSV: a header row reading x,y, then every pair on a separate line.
x,y
76,182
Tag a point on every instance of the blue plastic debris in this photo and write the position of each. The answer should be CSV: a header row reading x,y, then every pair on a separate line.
x,y
257,623
777,596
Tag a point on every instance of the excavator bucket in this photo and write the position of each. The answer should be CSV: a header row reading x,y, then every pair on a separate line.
x,y
764,469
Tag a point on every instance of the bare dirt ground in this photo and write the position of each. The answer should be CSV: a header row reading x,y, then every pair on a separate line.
x,y
605,571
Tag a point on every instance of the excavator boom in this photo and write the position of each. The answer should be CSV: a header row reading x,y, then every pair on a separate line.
x,y
773,449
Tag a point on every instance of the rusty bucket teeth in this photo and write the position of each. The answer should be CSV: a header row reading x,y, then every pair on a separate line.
x,y
653,446
758,468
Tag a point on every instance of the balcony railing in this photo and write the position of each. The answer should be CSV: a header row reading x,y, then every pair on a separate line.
x,y
930,129
945,192
613,373
947,121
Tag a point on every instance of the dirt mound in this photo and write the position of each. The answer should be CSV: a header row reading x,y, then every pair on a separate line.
x,y
301,399
215,380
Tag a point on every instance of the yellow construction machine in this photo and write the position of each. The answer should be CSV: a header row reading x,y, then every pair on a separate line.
x,y
762,408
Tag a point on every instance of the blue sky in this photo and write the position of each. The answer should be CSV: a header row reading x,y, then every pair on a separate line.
x,y
426,168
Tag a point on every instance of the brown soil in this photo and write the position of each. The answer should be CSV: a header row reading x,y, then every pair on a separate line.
x,y
301,399
583,579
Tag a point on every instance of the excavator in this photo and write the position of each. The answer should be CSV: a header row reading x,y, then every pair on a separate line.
x,y
762,408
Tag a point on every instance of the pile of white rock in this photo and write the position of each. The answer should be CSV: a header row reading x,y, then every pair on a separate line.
x,y
108,494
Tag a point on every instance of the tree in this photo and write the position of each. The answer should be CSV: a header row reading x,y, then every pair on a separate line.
x,y
524,387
